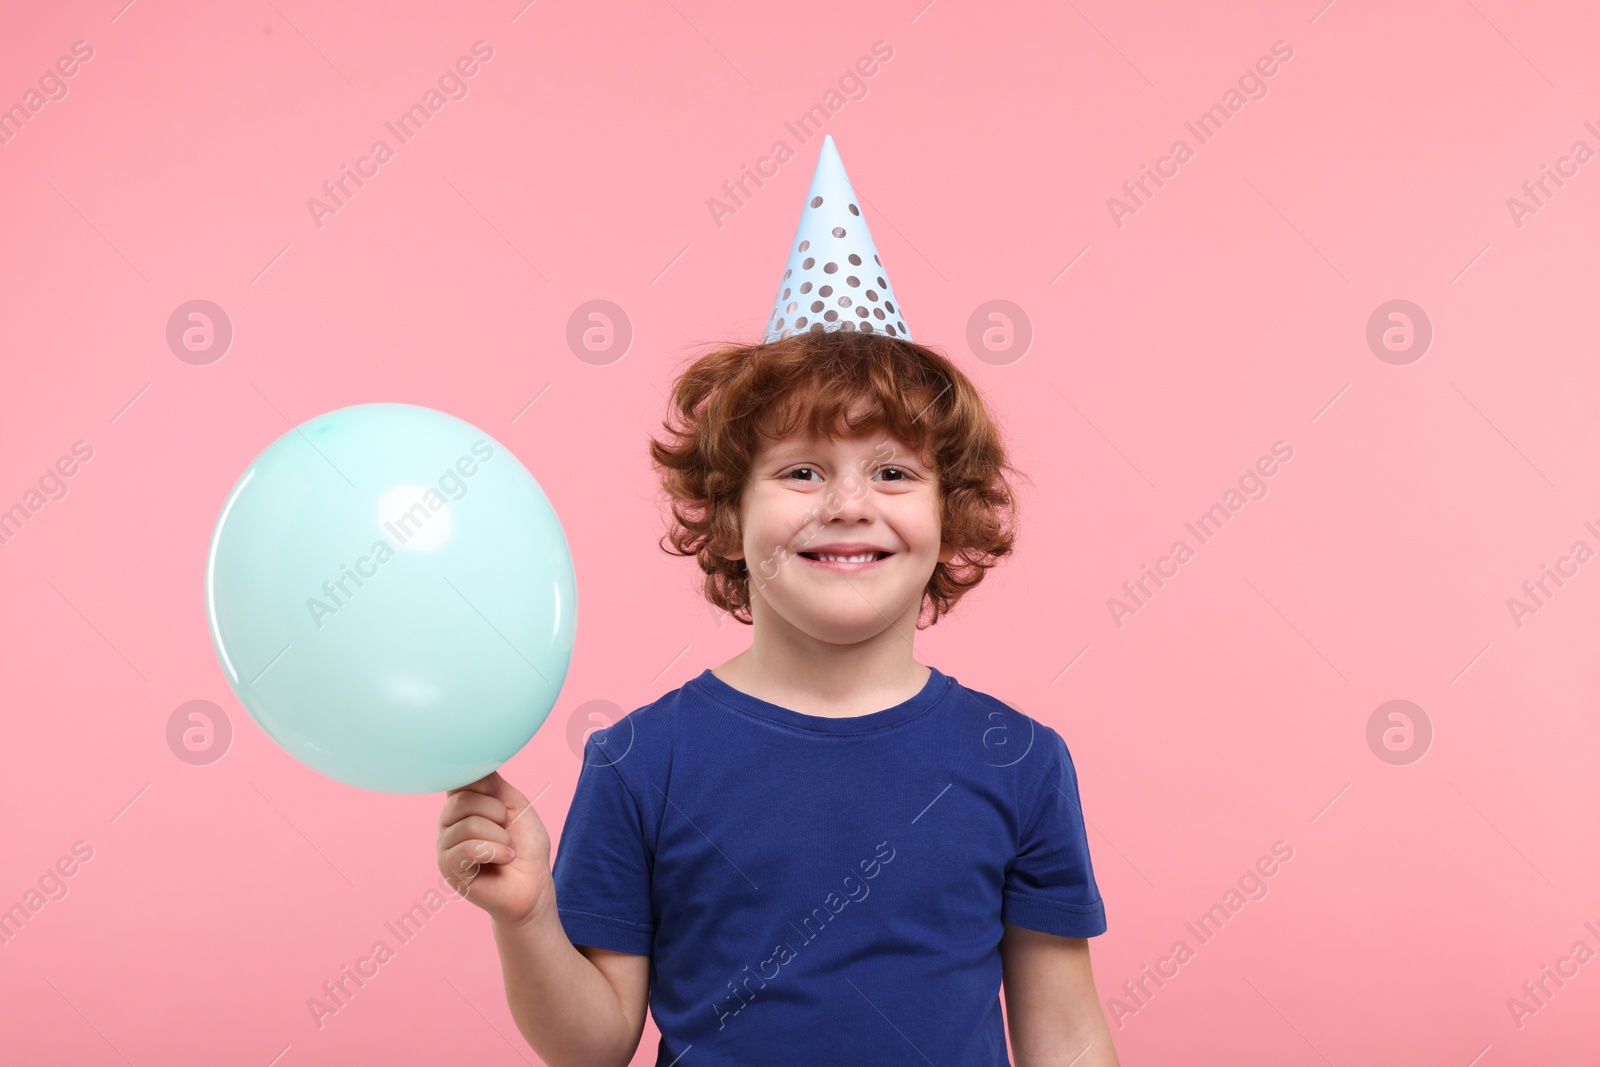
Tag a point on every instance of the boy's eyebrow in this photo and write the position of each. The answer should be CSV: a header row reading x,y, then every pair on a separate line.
x,y
784,450
790,448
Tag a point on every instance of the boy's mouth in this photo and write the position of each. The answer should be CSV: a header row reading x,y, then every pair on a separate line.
x,y
846,561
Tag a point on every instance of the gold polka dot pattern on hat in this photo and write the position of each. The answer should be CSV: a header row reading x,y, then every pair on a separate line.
x,y
833,233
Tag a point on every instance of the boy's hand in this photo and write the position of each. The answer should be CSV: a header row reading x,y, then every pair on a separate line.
x,y
494,850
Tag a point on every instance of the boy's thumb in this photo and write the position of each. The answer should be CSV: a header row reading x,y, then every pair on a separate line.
x,y
524,825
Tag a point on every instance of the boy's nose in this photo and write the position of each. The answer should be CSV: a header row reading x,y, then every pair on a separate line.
x,y
853,500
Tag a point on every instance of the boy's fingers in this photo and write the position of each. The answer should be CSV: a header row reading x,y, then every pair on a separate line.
x,y
493,785
463,862
467,802
489,790
488,785
518,806
473,828
511,795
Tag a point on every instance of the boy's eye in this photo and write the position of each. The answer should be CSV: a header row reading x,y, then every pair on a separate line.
x,y
901,474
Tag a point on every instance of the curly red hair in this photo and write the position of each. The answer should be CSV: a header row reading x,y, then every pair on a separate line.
x,y
831,384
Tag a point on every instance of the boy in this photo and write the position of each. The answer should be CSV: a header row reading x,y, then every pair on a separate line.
x,y
821,851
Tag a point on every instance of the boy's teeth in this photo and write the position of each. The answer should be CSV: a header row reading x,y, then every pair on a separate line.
x,y
865,557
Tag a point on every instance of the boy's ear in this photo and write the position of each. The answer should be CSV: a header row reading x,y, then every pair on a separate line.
x,y
947,552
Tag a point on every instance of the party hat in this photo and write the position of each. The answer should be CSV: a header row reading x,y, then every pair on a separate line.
x,y
834,279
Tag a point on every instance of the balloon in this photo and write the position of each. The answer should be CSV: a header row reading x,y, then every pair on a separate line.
x,y
392,598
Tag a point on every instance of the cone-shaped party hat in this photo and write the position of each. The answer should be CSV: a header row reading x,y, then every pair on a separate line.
x,y
834,279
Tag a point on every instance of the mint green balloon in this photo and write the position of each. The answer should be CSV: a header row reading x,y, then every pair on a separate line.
x,y
392,598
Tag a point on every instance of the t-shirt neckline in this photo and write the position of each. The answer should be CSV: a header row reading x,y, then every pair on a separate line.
x,y
934,688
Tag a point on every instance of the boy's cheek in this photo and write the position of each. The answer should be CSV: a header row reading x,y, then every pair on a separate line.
x,y
767,568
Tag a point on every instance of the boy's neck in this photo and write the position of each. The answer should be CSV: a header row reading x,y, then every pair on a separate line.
x,y
812,677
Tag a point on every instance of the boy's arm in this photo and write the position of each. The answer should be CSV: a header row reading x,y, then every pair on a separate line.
x,y
576,1006
1051,1006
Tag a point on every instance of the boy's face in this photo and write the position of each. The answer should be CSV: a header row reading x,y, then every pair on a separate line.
x,y
857,496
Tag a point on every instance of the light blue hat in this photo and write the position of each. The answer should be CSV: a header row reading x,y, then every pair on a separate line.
x,y
834,279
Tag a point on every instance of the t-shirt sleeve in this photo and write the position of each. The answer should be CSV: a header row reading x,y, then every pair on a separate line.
x,y
1050,884
603,863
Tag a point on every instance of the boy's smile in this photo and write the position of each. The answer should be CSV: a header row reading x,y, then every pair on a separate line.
x,y
846,558
841,536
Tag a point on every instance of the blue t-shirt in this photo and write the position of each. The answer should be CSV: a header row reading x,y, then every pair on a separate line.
x,y
824,890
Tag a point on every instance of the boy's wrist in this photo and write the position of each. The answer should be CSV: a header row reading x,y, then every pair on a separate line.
x,y
540,912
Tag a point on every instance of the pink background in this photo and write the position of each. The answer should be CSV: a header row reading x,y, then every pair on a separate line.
x,y
1229,313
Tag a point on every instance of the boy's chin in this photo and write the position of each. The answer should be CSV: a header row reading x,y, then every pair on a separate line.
x,y
849,626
